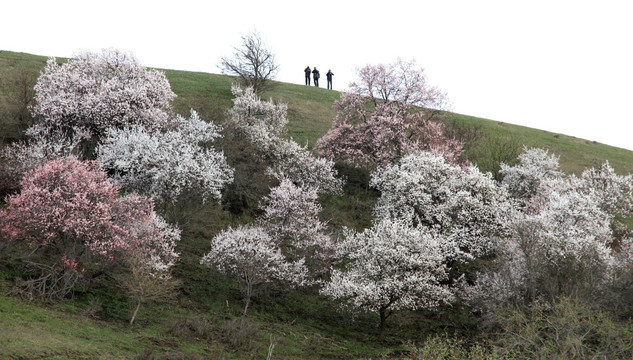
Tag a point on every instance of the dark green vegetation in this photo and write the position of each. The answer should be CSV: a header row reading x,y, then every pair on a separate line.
x,y
204,319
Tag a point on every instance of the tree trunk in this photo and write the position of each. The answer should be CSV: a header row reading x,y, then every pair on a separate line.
x,y
138,306
246,303
383,325
249,292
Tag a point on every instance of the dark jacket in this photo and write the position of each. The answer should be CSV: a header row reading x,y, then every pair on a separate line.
x,y
315,74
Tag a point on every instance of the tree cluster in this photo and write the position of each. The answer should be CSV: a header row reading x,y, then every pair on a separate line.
x,y
443,231
66,219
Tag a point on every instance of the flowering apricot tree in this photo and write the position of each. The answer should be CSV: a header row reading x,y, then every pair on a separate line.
x,y
386,115
254,257
561,239
264,123
164,164
147,261
394,266
535,165
291,215
95,91
76,102
20,157
463,204
73,221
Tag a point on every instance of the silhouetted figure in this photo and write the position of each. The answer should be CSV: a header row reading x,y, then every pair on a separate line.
x,y
316,76
329,79
307,71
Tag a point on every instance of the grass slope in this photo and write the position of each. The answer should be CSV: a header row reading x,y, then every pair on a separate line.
x,y
201,323
310,113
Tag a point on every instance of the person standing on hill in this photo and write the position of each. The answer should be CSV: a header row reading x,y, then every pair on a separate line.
x,y
329,79
307,72
316,75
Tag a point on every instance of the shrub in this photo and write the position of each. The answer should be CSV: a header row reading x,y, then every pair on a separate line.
x,y
565,329
239,333
440,348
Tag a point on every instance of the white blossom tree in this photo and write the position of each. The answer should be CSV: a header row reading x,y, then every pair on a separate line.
x,y
558,244
613,192
264,124
561,240
393,266
535,165
461,203
20,157
96,91
250,254
165,164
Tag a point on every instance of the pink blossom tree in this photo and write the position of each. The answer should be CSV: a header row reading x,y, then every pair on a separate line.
x,y
95,91
147,262
72,220
291,215
387,114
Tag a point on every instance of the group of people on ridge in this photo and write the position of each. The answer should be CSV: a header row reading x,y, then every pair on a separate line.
x,y
316,75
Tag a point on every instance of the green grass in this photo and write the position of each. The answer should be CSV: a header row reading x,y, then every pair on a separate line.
x,y
575,154
36,331
303,324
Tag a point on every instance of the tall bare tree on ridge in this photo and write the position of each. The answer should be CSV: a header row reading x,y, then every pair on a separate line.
x,y
253,62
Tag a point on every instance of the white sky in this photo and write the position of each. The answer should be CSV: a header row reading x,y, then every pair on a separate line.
x,y
557,65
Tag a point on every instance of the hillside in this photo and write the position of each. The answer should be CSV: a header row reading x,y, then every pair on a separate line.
x,y
202,322
310,113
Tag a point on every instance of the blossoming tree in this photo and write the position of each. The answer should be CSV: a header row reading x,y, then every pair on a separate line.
x,y
147,262
78,101
535,165
18,158
165,164
72,220
562,239
95,91
462,203
264,123
291,216
387,114
253,257
394,266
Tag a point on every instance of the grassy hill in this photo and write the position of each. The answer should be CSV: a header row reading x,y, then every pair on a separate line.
x,y
201,323
310,113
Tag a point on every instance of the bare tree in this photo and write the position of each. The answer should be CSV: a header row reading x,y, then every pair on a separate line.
x,y
253,62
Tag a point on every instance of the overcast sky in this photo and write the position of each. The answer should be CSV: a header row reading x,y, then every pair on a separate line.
x,y
561,66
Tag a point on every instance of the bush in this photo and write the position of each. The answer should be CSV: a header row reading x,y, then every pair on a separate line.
x,y
439,348
148,354
239,334
565,329
194,327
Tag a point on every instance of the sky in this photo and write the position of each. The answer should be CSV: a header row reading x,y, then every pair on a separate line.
x,y
556,65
